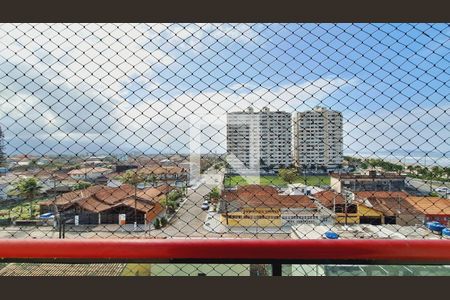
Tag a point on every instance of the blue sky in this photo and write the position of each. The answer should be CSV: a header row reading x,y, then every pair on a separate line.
x,y
119,87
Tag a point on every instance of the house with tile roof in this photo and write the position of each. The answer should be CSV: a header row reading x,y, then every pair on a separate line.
x,y
432,208
265,206
107,205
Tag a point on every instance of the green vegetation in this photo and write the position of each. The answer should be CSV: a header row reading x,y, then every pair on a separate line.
x,y
157,224
132,177
435,173
278,181
81,185
214,194
163,221
152,179
288,175
18,211
27,189
170,201
385,165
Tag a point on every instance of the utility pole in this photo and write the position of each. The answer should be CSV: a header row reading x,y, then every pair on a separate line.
x,y
346,193
226,211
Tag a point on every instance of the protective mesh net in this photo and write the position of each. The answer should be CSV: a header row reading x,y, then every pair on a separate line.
x,y
274,131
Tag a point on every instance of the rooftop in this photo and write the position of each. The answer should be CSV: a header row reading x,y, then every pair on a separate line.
x,y
100,198
430,205
266,196
360,176
156,169
329,198
83,171
363,231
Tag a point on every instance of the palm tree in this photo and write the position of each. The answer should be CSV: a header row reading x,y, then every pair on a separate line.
x,y
28,189
214,195
152,179
133,178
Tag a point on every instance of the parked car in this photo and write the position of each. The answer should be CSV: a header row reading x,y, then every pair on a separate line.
x,y
441,189
205,206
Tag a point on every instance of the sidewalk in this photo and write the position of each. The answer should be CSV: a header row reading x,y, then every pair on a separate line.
x,y
213,224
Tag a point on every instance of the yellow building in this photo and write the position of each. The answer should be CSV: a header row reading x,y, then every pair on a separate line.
x,y
263,206
363,213
357,212
253,217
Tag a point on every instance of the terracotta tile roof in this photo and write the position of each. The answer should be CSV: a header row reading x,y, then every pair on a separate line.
x,y
393,206
101,198
83,171
329,198
430,205
382,194
266,196
158,170
92,204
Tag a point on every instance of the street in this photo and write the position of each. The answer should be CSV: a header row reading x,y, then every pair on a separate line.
x,y
190,221
428,185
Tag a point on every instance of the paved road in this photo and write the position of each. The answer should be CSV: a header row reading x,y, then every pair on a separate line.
x,y
427,186
189,222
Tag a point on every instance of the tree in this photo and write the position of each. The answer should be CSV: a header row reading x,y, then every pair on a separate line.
x,y
214,194
81,186
169,203
152,179
157,224
133,178
28,189
2,149
437,172
398,169
288,175
447,171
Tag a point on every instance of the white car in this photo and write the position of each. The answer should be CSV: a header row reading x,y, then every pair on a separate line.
x,y
205,206
442,189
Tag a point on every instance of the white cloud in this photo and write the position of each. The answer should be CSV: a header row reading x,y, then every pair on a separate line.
x,y
71,85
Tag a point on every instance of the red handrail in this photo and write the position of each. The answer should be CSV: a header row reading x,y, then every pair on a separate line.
x,y
396,251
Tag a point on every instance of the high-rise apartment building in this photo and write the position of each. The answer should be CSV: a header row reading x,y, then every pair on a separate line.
x,y
317,139
260,139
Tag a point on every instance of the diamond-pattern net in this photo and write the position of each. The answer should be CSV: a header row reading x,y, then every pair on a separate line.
x,y
265,131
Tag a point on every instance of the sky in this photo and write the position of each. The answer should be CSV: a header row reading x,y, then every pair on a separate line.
x,y
104,88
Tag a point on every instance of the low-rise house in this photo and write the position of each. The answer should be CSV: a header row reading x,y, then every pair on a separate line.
x,y
432,208
171,175
374,208
394,207
348,211
107,205
370,182
264,206
88,174
54,182
301,189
